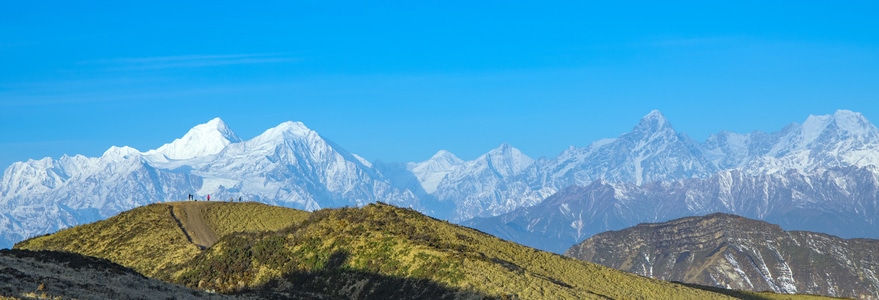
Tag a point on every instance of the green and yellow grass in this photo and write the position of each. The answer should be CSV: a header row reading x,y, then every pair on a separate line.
x,y
228,218
262,247
150,241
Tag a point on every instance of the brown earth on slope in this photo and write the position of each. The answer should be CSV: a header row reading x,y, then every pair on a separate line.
x,y
190,216
154,239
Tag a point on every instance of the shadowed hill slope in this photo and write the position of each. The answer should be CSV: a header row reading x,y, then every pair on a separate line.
x,y
59,275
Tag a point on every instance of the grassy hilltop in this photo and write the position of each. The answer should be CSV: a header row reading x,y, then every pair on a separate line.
x,y
378,251
149,239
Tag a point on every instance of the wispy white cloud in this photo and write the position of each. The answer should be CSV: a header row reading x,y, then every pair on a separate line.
x,y
129,93
191,61
690,42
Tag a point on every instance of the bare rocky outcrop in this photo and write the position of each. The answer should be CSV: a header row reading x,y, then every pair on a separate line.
x,y
730,251
64,275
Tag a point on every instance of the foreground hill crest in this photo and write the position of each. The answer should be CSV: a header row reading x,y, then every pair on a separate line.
x,y
377,251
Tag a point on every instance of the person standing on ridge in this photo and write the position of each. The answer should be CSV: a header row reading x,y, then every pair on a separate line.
x,y
209,197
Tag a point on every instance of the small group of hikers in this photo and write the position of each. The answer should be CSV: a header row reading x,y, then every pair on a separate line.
x,y
208,198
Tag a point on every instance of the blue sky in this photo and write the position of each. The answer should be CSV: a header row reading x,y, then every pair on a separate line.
x,y
398,82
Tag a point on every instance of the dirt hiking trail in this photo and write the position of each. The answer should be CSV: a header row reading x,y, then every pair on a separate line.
x,y
190,217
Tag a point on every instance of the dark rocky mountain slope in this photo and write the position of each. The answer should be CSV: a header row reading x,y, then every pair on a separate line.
x,y
734,252
61,275
841,201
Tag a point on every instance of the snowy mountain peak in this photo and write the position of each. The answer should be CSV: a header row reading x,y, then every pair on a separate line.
x,y
287,129
431,172
503,148
443,154
655,117
282,133
123,151
846,124
445,157
293,127
813,127
202,140
216,123
652,123
853,123
654,114
507,160
825,132
116,155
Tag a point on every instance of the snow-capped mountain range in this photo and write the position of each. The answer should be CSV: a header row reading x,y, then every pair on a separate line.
x,y
838,201
287,165
294,166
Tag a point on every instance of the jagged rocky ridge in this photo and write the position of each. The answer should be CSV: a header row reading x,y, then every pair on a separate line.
x,y
842,201
291,165
652,152
729,251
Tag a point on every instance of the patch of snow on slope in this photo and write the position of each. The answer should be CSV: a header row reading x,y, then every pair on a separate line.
x,y
812,128
212,185
362,160
639,170
737,268
602,142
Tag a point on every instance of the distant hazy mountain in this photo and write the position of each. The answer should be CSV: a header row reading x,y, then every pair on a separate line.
x,y
291,165
652,151
729,251
843,139
486,186
840,201
817,176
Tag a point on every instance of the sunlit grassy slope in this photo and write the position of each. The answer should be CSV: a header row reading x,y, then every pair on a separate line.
x,y
149,240
227,218
401,243
375,250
